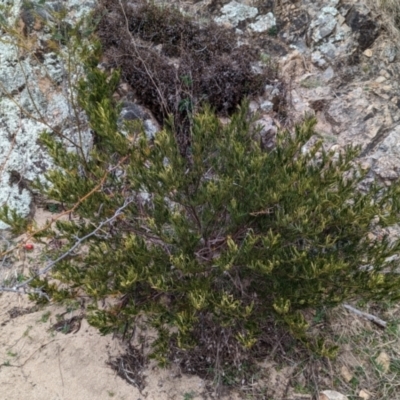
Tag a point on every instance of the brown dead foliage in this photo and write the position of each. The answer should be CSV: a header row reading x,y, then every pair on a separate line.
x,y
175,64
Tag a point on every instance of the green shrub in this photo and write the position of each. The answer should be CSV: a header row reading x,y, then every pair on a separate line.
x,y
212,243
225,239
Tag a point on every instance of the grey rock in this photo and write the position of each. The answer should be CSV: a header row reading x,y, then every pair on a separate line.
x,y
328,74
332,395
234,12
390,53
151,128
132,111
325,24
365,29
266,106
263,23
267,132
387,156
318,59
21,82
53,67
329,50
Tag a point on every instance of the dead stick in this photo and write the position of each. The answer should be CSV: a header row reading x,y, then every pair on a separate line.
x,y
370,317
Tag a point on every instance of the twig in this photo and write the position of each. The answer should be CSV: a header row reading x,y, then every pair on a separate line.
x,y
137,54
59,365
21,288
370,317
69,211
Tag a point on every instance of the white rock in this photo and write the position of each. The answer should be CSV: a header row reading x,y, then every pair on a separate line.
x,y
150,128
328,74
380,79
234,12
267,106
19,148
263,23
368,53
317,59
332,395
364,394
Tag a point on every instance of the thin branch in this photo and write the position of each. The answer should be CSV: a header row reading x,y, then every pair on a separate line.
x,y
21,288
69,211
137,54
363,314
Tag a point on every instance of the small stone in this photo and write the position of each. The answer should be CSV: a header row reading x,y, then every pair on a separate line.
x,y
384,361
390,53
384,73
371,238
264,23
267,106
380,79
253,106
344,371
332,395
368,53
328,74
364,394
318,59
235,12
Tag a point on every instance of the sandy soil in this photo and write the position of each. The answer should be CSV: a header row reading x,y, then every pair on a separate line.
x,y
38,363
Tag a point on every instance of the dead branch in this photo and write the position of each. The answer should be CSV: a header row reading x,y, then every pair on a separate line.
x,y
22,287
363,314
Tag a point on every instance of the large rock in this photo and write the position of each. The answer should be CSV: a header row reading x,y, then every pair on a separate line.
x,y
34,96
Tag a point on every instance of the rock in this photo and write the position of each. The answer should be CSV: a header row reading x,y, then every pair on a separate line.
x,y
365,29
131,111
390,53
263,23
325,24
267,133
318,59
346,374
151,128
266,106
380,79
328,74
253,106
387,155
383,360
365,395
32,78
368,53
234,12
329,50
332,395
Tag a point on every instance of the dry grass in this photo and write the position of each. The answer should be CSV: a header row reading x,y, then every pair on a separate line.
x,y
389,13
370,357
368,361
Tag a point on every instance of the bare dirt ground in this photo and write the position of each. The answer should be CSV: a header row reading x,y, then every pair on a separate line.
x,y
37,362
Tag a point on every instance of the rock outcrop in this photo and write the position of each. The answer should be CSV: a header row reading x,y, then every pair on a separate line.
x,y
336,60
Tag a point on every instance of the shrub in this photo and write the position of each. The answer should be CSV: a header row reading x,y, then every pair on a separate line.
x,y
222,241
211,243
